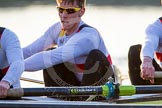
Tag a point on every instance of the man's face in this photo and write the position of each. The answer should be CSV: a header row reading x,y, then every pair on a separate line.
x,y
70,14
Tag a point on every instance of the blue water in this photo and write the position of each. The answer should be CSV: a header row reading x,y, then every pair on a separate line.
x,y
121,27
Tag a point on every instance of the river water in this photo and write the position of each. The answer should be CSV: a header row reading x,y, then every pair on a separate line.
x,y
120,27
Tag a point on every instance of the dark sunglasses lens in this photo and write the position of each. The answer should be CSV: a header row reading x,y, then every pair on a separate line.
x,y
70,11
60,10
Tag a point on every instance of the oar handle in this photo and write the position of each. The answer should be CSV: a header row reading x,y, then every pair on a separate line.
x,y
158,74
16,92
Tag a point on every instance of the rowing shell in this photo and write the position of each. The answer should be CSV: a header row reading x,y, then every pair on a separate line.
x,y
45,102
40,99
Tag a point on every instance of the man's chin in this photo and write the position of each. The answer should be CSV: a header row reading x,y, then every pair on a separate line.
x,y
64,26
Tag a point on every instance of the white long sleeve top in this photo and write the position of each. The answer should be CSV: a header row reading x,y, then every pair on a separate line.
x,y
11,56
153,40
73,48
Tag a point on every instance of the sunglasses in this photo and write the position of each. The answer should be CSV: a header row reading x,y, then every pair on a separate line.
x,y
68,10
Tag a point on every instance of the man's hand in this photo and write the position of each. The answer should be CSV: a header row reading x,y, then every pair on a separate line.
x,y
4,86
147,70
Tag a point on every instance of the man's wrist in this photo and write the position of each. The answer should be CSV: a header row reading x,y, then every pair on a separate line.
x,y
6,82
147,59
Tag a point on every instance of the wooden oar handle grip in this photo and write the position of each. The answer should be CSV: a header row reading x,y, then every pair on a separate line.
x,y
16,92
158,74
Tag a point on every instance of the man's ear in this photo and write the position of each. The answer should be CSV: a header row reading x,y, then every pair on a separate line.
x,y
82,11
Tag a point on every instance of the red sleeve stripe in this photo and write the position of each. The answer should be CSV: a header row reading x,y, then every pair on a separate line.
x,y
109,59
4,71
159,56
81,66
160,19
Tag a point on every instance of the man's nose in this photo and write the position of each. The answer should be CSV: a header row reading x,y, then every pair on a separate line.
x,y
64,13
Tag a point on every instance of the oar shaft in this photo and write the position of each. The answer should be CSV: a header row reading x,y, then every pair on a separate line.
x,y
31,80
53,91
150,89
85,91
142,89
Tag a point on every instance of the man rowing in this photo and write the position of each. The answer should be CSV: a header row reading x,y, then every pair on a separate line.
x,y
11,61
142,70
80,58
